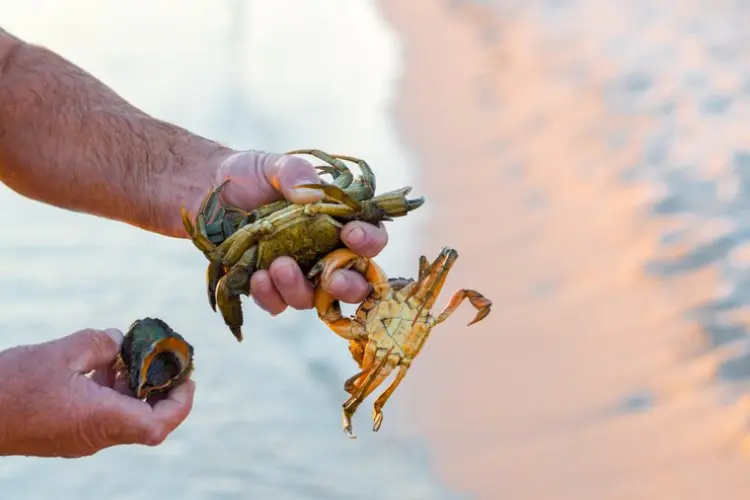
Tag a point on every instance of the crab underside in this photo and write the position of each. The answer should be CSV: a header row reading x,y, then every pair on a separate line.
x,y
391,326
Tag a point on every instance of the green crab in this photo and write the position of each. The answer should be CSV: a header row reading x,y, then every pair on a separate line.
x,y
237,243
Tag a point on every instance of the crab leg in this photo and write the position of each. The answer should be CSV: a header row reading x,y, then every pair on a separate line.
x,y
377,409
198,237
229,288
335,193
382,207
198,232
214,272
246,237
344,258
328,308
350,384
339,179
427,289
368,176
424,267
479,301
332,209
211,201
344,179
231,309
363,188
394,203
376,375
263,211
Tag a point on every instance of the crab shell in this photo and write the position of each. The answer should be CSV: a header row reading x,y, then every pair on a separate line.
x,y
154,358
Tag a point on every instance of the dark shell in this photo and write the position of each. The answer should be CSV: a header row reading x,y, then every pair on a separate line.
x,y
154,357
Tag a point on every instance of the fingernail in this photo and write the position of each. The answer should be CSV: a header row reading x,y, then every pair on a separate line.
x,y
356,236
293,171
285,273
115,334
306,195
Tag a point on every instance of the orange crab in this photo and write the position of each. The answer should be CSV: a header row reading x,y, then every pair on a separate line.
x,y
391,326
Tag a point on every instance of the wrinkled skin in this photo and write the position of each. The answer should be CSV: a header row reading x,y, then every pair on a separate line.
x,y
51,408
392,325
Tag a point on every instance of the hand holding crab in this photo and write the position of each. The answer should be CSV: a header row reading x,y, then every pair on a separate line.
x,y
257,179
243,245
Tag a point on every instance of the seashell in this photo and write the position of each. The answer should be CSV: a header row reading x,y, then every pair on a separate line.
x,y
154,358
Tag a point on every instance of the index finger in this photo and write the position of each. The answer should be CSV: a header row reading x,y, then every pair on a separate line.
x,y
364,238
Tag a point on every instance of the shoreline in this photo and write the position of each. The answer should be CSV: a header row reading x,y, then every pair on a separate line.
x,y
585,381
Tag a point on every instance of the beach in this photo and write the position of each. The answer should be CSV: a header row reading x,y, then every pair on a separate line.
x,y
588,380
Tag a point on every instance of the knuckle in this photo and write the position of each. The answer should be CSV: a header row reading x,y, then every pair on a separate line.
x,y
98,340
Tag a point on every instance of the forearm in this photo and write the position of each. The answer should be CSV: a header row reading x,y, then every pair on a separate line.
x,y
68,140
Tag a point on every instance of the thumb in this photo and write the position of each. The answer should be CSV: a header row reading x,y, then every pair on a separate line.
x,y
89,349
258,178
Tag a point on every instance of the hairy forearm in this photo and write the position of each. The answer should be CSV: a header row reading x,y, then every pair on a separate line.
x,y
68,140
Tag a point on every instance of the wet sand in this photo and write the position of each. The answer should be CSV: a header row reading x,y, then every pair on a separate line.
x,y
586,381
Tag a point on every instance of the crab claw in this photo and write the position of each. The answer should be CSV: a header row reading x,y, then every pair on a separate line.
x,y
414,203
344,258
396,204
481,303
230,307
214,272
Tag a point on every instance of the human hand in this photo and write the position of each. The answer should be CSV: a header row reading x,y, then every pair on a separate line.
x,y
50,408
258,178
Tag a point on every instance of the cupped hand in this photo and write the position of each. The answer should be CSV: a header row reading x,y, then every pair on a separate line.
x,y
258,178
51,408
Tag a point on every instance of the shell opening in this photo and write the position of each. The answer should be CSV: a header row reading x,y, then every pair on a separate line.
x,y
165,367
169,358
